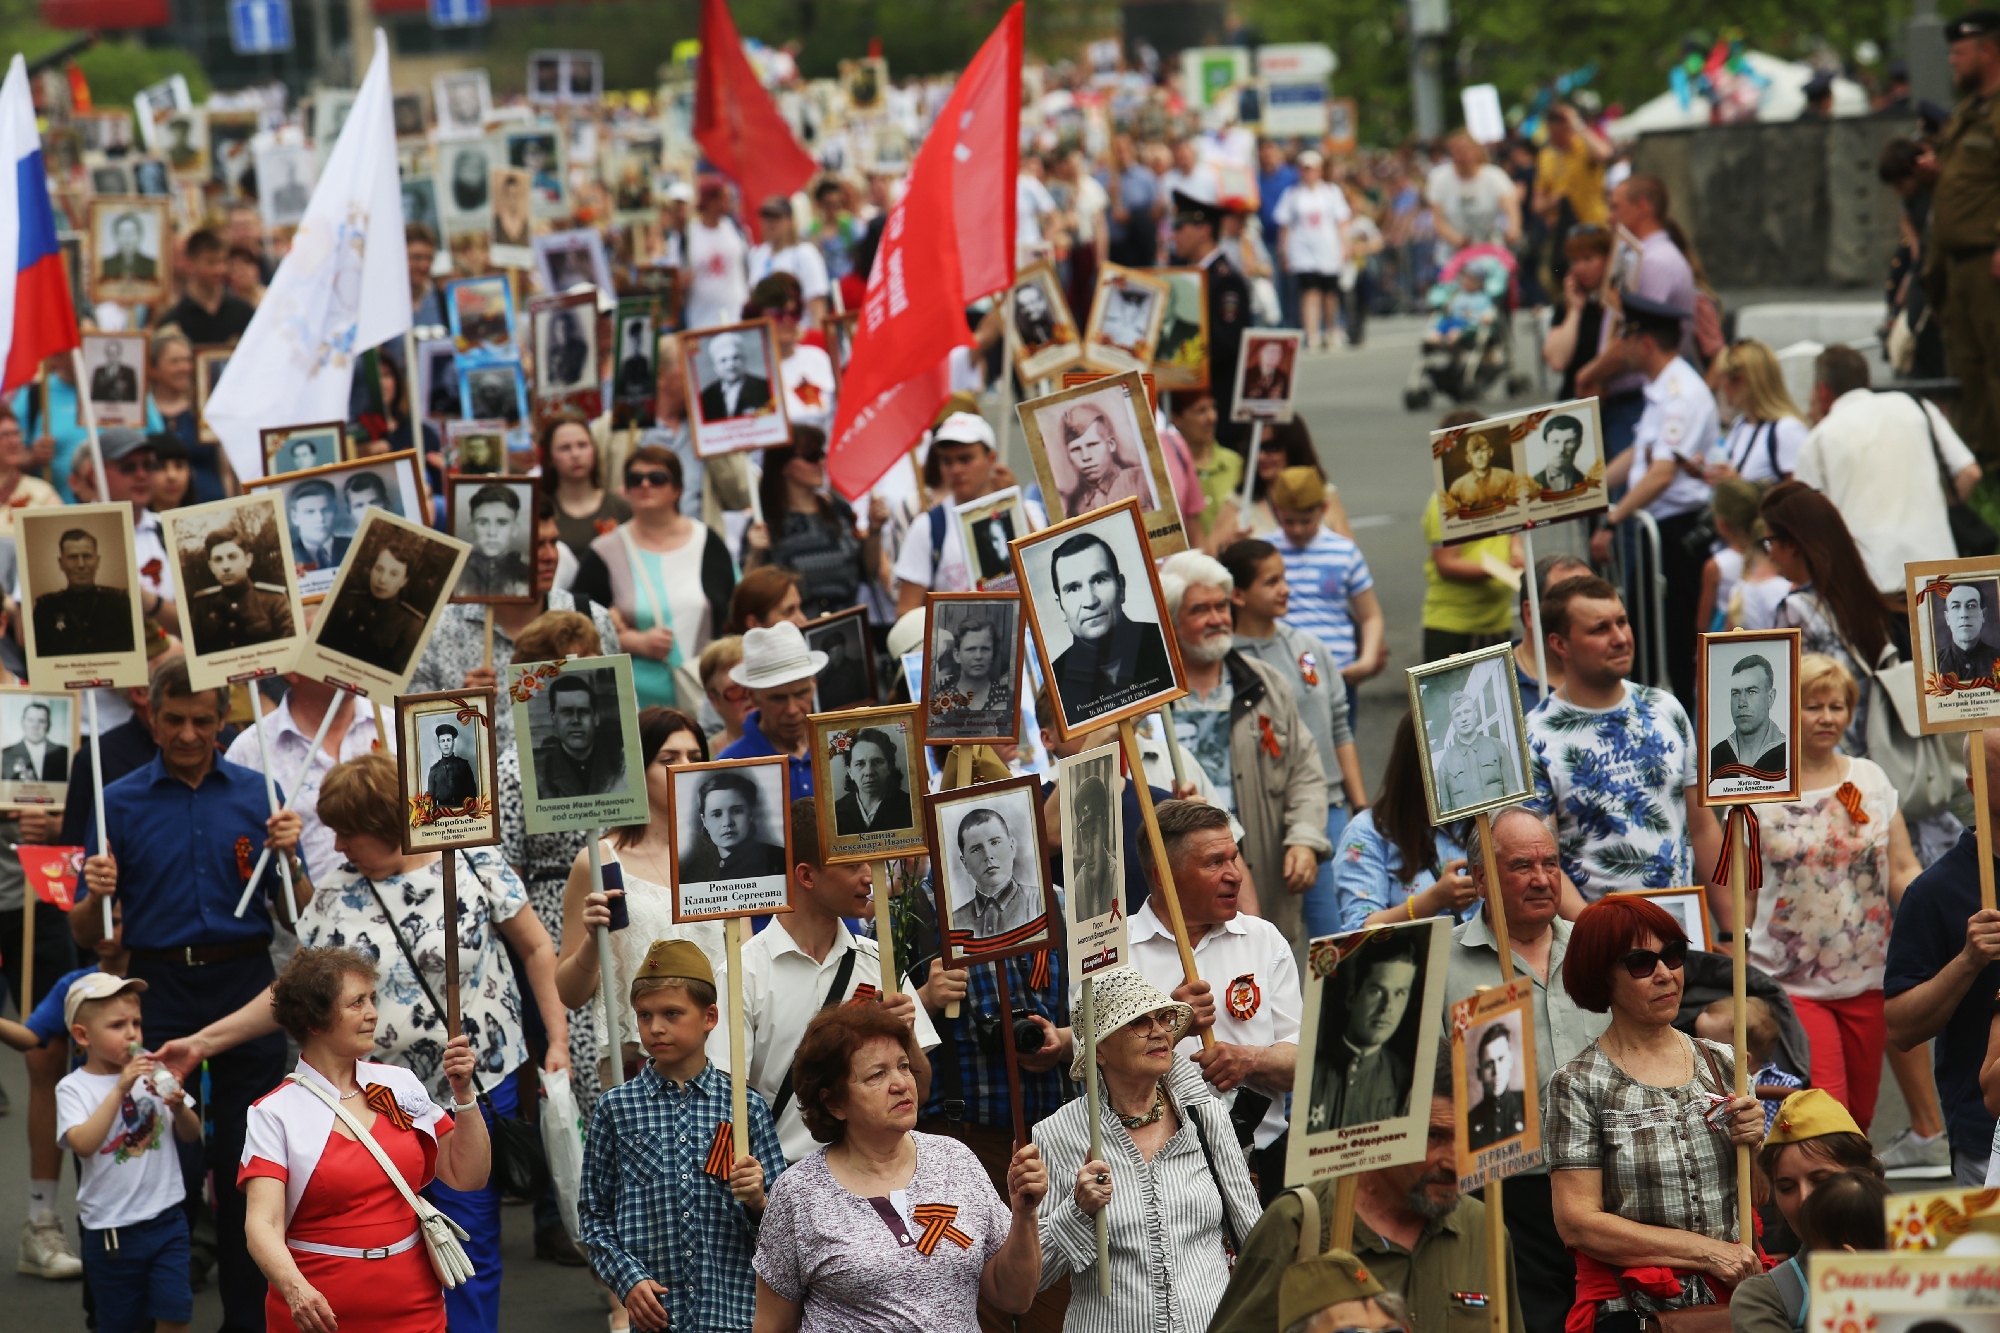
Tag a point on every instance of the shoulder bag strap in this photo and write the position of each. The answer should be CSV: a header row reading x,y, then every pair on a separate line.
x,y
1771,450
423,981
936,516
1937,451
367,1140
1708,1056
1308,1222
841,976
1221,1195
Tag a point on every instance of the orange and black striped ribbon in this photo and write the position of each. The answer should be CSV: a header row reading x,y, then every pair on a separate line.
x,y
1038,979
721,1152
1849,797
381,1099
1753,849
936,1219
863,994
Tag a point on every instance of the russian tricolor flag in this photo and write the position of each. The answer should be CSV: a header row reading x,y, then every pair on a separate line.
x,y
37,319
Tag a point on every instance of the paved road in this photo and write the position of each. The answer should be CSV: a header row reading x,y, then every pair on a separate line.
x,y
1374,452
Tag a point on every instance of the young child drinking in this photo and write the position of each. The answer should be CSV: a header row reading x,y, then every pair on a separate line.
x,y
1768,1082
674,1117
113,1113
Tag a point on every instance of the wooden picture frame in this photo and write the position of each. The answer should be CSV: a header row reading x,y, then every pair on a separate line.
x,y
762,887
348,496
1180,354
1487,769
758,420
255,629
1008,838
852,681
1702,937
946,613
127,274
349,625
29,781
1042,339
1126,311
1105,424
1157,665
280,445
898,824
506,577
1725,777
1958,687
1500,1135
441,813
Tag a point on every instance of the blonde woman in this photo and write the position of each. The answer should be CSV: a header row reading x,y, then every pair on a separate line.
x,y
1764,443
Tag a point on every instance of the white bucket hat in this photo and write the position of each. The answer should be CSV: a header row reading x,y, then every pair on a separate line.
x,y
775,656
1120,996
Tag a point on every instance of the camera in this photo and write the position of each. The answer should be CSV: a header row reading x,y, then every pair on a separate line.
x,y
1028,1034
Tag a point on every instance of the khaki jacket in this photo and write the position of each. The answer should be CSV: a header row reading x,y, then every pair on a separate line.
x,y
1279,786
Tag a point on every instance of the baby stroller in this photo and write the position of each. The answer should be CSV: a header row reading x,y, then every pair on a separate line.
x,y
1469,345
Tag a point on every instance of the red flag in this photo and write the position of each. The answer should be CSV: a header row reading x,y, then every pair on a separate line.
x,y
949,240
79,88
52,872
735,122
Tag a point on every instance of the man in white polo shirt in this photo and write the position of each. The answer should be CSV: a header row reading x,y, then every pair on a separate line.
x,y
1248,990
933,555
802,960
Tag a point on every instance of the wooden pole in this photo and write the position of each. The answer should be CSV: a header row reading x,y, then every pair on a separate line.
x,y
1244,501
451,1021
739,1063
28,952
1344,1190
1013,1056
1090,1092
487,661
606,974
1173,748
957,775
1739,857
885,939
271,799
97,771
89,415
1176,921
1496,1225
1535,616
1982,827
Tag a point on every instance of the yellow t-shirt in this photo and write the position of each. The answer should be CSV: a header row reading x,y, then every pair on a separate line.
x,y
1577,177
1465,608
1221,479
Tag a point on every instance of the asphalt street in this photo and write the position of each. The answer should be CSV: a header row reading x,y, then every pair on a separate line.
x,y
1374,452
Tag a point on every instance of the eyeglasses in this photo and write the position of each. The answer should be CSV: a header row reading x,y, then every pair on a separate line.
x,y
126,467
1163,1019
1639,964
635,480
788,314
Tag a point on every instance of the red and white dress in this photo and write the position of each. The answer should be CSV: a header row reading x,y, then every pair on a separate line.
x,y
348,1228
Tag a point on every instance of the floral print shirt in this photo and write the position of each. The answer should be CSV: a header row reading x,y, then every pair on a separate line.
x,y
1823,914
409,1031
1616,780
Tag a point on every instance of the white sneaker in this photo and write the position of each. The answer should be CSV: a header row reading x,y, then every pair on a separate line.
x,y
45,1252
1907,1157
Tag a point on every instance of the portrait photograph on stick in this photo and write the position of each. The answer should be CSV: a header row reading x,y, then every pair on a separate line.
x,y
324,509
115,367
1495,1098
1374,1010
1093,815
209,363
1180,357
1125,317
997,900
235,588
131,249
1099,619
987,529
577,722
1474,744
868,776
475,448
482,317
730,373
848,678
448,764
732,831
1265,375
1747,718
79,582
39,732
972,681
1094,445
566,351
566,259
1520,470
303,448
1689,906
1955,638
396,579
493,390
497,516
1042,336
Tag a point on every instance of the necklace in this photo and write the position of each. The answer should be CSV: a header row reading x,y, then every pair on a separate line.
x,y
1141,1121
347,1096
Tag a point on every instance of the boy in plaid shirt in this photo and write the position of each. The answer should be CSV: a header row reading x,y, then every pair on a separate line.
x,y
669,1210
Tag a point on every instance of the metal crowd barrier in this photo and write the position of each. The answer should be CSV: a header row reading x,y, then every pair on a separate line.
x,y
1636,569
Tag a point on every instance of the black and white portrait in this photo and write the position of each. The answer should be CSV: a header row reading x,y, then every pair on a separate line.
x,y
1955,641
127,244
184,143
498,517
987,527
437,378
297,448
848,678
565,350
1468,716
972,690
1044,334
236,590
38,734
381,608
446,761
1091,819
495,392
1749,702
116,365
1125,317
870,791
545,76
482,314
730,825
1561,454
512,211
569,259
1965,626
536,153
420,205
110,178
477,447
731,372
285,184
638,354
466,202
1365,1049
585,70
577,747
1098,618
464,102
989,850
149,177
407,110
323,511
1497,1107
78,571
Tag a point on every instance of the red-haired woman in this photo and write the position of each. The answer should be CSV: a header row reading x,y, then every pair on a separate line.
x,y
1642,1130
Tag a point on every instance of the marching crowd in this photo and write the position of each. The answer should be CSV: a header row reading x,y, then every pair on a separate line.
x,y
251,1100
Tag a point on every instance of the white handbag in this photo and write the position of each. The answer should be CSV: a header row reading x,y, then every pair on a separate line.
x,y
441,1235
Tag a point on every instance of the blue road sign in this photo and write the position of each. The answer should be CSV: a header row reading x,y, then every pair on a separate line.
x,y
260,27
459,13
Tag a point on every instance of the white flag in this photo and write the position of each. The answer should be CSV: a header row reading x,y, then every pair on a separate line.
x,y
343,288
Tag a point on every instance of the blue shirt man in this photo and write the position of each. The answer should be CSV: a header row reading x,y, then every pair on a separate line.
x,y
778,670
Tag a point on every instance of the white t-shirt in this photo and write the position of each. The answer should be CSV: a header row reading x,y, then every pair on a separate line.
x,y
716,257
1679,420
1032,203
809,386
1476,208
913,563
1750,446
801,260
1311,216
136,1174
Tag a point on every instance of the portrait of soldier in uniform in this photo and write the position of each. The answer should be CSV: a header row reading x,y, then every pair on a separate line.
x,y
370,620
1962,649
1755,738
573,761
498,565
987,850
1473,768
1498,1114
1105,469
1359,1077
1483,485
1095,859
236,612
82,617
452,780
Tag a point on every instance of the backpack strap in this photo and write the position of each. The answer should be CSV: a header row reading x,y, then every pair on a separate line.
x,y
939,528
1771,450
841,976
1791,1285
1308,1222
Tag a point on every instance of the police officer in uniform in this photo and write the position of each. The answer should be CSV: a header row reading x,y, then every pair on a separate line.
x,y
370,621
1962,259
237,612
82,618
1197,226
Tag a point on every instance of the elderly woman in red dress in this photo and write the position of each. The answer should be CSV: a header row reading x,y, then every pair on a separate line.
x,y
332,1233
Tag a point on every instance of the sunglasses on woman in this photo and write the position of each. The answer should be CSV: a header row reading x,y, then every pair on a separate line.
x,y
1639,964
634,480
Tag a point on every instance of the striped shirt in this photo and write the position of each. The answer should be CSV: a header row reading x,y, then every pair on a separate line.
x,y
1325,576
1165,1218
